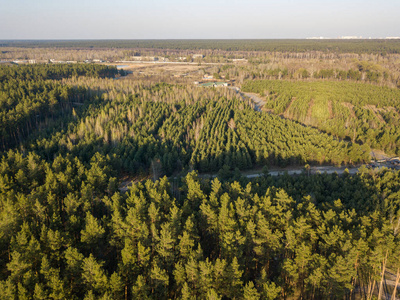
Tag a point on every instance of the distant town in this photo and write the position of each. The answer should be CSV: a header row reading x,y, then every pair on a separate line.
x,y
353,37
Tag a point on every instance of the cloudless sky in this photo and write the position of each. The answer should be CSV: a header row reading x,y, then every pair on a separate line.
x,y
187,19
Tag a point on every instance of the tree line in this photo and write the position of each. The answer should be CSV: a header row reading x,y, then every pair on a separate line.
x,y
379,46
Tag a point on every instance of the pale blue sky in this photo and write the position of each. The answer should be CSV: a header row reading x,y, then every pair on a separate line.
x,y
182,19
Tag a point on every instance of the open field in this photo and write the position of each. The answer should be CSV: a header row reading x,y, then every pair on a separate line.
x,y
152,68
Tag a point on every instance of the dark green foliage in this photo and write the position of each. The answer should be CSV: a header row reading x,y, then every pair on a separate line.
x,y
204,134
54,71
66,232
28,101
167,135
267,239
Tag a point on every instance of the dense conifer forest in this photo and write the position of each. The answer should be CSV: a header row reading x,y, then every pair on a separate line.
x,y
182,127
379,46
359,112
70,134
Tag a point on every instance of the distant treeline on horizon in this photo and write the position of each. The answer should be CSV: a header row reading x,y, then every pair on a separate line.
x,y
378,46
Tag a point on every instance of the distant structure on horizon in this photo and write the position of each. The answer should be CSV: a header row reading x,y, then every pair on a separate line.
x,y
198,56
353,37
350,37
317,38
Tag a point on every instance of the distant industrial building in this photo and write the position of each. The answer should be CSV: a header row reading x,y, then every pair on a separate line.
x,y
63,61
239,60
213,84
18,62
143,58
208,77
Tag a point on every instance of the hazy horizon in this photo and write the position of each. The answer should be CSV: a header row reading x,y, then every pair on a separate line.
x,y
178,19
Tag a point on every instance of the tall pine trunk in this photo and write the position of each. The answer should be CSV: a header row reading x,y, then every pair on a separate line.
x,y
396,284
382,276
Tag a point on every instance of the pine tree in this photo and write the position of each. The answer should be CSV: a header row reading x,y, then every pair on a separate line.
x,y
93,274
234,276
250,292
93,231
116,286
140,290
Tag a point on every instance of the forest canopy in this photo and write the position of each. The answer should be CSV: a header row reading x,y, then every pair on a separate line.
x,y
360,112
70,229
279,45
197,128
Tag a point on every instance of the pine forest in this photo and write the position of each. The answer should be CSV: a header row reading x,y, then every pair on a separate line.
x,y
258,170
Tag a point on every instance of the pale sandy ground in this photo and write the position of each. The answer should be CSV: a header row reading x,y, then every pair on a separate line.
x,y
172,68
